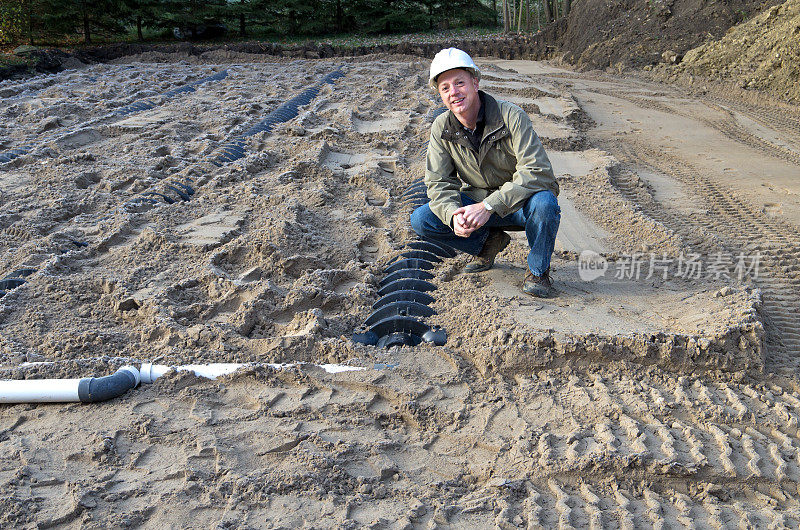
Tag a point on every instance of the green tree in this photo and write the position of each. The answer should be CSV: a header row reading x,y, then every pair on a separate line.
x,y
190,15
20,20
11,22
141,13
293,17
83,17
243,12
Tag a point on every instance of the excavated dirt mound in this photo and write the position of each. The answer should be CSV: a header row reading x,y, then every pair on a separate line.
x,y
634,33
635,398
762,53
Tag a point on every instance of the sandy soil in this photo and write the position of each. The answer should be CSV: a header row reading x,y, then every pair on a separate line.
x,y
632,400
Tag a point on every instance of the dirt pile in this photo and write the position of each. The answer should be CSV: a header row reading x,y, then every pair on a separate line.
x,y
762,53
634,33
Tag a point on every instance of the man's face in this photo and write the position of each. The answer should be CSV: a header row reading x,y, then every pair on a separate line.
x,y
459,91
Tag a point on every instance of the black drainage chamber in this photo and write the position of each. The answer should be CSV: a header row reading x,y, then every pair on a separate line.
x,y
14,279
404,295
409,263
400,331
402,308
417,274
236,148
398,316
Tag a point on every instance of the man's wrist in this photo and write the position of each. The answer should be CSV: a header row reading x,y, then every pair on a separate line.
x,y
487,206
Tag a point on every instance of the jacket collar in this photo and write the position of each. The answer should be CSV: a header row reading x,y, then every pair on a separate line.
x,y
493,130
494,120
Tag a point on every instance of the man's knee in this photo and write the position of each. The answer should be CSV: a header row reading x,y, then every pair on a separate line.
x,y
418,219
545,207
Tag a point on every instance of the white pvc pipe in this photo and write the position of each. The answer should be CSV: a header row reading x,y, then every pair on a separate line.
x,y
39,391
336,368
67,390
150,372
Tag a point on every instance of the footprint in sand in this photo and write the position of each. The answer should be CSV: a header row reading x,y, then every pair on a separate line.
x,y
376,196
369,248
364,125
352,163
210,230
772,209
349,163
372,221
388,166
80,138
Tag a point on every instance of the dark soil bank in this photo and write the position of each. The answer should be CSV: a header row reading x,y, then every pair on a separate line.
x,y
514,47
634,33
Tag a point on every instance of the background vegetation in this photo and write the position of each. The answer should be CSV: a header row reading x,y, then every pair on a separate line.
x,y
66,22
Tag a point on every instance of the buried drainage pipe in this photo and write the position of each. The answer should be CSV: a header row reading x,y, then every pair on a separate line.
x,y
136,106
235,148
150,372
96,389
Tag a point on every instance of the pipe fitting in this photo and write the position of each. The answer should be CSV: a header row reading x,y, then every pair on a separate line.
x,y
95,389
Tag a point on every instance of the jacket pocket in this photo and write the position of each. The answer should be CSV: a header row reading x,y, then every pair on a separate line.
x,y
498,165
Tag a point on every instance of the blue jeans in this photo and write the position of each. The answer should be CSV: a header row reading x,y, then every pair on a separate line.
x,y
539,216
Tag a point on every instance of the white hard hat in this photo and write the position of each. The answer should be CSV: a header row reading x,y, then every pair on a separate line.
x,y
449,59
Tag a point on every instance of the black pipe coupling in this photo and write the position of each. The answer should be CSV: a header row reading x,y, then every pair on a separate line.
x,y
95,389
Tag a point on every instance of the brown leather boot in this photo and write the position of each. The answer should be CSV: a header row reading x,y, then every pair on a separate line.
x,y
539,286
495,243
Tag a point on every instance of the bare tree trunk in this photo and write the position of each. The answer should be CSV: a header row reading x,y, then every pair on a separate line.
x,y
528,17
519,18
30,28
548,15
567,7
87,36
505,16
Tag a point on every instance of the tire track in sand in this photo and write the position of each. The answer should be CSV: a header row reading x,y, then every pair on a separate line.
x,y
727,124
640,449
730,224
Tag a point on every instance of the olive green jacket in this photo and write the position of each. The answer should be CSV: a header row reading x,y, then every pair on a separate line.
x,y
510,166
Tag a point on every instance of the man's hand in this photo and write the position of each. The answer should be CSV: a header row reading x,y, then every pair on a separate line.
x,y
467,219
459,227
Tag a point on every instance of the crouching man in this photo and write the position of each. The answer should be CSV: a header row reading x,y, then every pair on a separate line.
x,y
486,171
